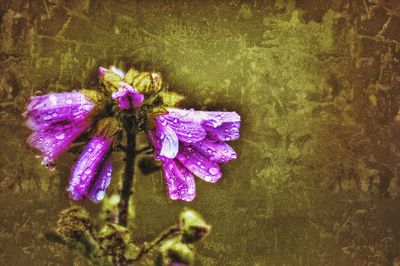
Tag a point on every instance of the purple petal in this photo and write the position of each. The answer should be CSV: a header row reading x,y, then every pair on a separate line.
x,y
118,71
102,71
225,132
128,97
210,118
180,181
168,138
217,151
98,190
53,141
47,110
186,130
199,165
87,166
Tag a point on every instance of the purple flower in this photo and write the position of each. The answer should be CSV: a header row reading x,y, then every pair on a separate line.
x,y
128,98
188,143
91,173
57,119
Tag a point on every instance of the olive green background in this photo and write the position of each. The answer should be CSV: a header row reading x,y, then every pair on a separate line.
x,y
317,84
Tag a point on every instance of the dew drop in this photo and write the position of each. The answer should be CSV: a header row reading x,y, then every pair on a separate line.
x,y
208,178
88,171
175,120
213,170
100,194
60,136
209,150
191,191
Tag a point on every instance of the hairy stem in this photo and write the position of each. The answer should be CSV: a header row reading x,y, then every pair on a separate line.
x,y
127,182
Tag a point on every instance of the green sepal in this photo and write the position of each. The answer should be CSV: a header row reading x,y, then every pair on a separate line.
x,y
109,127
131,75
169,98
99,99
152,114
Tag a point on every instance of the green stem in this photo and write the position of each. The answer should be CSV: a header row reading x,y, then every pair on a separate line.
x,y
127,182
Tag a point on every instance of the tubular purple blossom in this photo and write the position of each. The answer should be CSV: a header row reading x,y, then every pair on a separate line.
x,y
91,173
57,119
87,166
193,142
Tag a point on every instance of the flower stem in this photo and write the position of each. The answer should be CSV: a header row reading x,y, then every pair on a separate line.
x,y
150,246
129,172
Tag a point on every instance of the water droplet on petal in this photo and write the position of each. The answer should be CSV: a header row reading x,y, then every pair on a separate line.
x,y
213,170
208,178
100,194
88,171
60,136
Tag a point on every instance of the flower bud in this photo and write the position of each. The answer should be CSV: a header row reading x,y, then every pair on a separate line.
x,y
193,226
113,239
73,222
173,252
145,82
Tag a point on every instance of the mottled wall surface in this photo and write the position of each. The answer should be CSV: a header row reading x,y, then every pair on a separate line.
x,y
317,84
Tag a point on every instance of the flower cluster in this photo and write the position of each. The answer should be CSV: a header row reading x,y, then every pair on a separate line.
x,y
190,142
187,142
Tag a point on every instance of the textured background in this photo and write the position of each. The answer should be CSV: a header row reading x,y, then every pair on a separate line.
x,y
317,83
